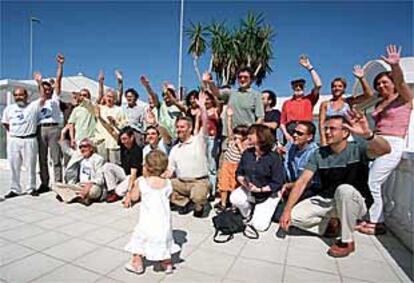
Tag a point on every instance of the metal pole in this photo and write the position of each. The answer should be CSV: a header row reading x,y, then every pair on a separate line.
x,y
31,48
180,55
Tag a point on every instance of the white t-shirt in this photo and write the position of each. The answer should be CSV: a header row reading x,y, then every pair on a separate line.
x,y
22,120
188,159
51,112
86,171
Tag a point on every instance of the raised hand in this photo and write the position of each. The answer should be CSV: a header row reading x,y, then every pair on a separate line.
x,y
118,75
37,76
304,61
358,72
207,77
393,55
144,81
60,59
358,123
101,76
201,99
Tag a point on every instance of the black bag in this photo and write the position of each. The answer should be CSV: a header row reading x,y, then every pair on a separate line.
x,y
229,223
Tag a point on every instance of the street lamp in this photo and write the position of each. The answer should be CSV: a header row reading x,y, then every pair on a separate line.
x,y
32,20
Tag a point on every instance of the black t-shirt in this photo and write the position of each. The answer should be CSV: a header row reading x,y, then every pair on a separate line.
x,y
272,116
131,158
348,167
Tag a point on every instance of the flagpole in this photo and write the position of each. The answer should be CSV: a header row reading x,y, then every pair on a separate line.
x,y
180,55
31,48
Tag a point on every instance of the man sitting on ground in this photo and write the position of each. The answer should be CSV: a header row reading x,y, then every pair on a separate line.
x,y
343,169
83,180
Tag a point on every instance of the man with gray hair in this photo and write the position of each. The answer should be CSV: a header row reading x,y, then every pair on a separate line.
x,y
83,180
115,116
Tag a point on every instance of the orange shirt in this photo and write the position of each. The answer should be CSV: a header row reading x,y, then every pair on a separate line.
x,y
299,108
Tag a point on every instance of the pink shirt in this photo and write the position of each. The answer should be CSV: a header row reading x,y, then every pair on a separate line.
x,y
394,119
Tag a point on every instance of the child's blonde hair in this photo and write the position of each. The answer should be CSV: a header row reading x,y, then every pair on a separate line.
x,y
156,162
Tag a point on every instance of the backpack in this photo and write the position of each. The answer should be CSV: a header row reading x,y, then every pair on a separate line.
x,y
228,222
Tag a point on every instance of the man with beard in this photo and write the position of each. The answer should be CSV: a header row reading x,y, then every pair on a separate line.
x,y
20,120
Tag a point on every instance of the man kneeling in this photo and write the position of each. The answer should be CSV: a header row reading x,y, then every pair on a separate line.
x,y
343,170
82,177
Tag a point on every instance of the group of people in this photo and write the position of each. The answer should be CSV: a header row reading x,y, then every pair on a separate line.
x,y
174,155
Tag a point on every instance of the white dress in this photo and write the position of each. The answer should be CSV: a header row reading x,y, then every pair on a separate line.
x,y
152,237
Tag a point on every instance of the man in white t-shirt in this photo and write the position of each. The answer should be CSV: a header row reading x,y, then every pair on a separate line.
x,y
51,123
20,120
188,161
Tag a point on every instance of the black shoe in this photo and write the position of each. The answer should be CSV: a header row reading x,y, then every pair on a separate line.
x,y
211,198
199,213
186,209
43,189
59,198
11,194
34,193
174,207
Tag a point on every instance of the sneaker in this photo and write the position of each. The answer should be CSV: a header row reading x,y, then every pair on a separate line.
x,y
34,193
11,194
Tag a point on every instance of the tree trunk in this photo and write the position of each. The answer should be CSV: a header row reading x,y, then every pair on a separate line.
x,y
257,69
249,61
210,66
197,70
228,71
223,76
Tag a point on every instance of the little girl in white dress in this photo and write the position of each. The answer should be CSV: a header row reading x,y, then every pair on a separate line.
x,y
152,237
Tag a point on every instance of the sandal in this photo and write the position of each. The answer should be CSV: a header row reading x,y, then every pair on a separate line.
x,y
372,228
135,269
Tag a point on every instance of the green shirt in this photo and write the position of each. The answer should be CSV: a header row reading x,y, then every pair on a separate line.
x,y
247,107
84,123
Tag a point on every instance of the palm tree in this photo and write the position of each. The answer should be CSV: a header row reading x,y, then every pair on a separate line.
x,y
197,34
248,45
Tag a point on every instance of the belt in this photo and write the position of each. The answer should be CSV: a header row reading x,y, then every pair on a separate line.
x,y
49,124
187,180
25,137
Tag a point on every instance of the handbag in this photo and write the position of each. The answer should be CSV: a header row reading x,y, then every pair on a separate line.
x,y
228,222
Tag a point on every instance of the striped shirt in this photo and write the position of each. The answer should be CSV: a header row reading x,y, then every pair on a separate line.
x,y
233,153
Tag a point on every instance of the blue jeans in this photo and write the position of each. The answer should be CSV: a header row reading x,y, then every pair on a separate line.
x,y
212,149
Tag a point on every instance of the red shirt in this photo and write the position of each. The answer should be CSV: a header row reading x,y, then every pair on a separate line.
x,y
299,108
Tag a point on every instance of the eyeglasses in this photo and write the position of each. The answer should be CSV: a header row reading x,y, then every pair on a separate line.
x,y
331,129
299,133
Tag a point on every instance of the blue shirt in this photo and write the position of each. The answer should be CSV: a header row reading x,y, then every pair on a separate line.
x,y
296,161
266,170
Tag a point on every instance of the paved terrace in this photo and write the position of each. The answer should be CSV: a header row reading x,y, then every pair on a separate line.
x,y
42,240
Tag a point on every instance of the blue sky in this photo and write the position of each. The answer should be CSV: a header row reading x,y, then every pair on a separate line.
x,y
141,37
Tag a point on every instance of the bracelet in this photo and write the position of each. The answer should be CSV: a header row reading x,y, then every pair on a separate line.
x,y
371,137
311,69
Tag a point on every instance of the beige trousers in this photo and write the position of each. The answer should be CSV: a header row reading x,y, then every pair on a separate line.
x,y
313,214
196,191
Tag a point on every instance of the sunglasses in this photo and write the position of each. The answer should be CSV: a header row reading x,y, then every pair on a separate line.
x,y
299,133
83,146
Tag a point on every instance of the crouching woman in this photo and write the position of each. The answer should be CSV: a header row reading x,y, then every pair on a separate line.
x,y
261,175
